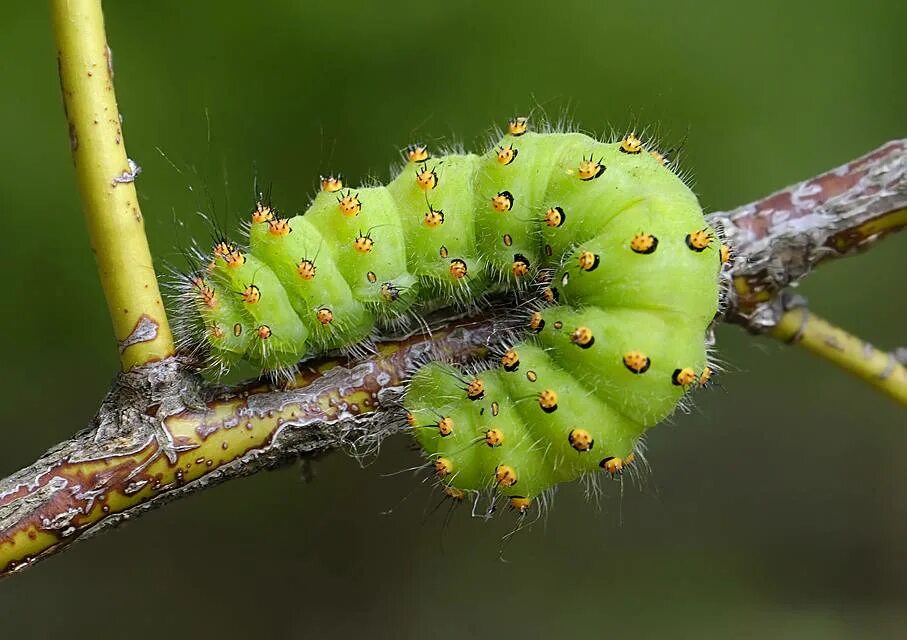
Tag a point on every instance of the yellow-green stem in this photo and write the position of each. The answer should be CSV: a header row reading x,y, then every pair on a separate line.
x,y
115,224
878,368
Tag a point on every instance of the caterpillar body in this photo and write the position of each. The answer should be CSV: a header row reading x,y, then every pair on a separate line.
x,y
616,338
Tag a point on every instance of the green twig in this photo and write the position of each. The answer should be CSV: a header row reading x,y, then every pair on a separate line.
x,y
106,175
880,369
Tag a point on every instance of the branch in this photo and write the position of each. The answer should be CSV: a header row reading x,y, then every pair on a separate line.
x,y
779,239
106,175
161,434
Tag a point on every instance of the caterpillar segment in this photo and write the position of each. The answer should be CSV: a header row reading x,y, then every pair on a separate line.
x,y
617,336
620,337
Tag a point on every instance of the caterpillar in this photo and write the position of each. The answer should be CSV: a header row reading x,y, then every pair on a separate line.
x,y
614,334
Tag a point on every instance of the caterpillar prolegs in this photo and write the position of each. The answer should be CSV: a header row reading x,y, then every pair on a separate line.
x,y
616,339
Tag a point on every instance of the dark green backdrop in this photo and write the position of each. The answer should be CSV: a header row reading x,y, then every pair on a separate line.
x,y
777,507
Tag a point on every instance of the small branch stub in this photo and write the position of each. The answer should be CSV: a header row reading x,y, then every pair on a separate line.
x,y
106,180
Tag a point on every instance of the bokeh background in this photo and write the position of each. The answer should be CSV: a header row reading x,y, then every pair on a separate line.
x,y
779,506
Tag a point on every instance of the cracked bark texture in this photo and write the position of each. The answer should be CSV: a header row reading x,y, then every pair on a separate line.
x,y
161,433
779,239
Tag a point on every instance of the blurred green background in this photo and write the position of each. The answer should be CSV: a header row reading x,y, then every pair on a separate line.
x,y
778,506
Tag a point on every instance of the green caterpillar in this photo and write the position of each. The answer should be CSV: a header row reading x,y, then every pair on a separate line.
x,y
615,340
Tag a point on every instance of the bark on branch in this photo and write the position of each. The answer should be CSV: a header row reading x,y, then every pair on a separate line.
x,y
161,434
779,239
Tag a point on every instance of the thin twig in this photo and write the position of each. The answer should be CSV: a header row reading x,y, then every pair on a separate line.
x,y
882,370
115,225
